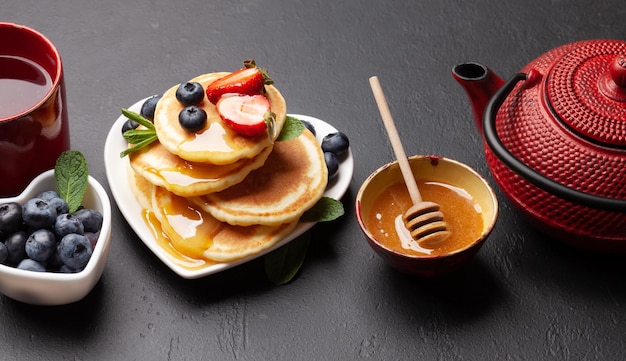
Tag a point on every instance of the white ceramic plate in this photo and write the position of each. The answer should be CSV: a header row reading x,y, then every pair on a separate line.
x,y
116,169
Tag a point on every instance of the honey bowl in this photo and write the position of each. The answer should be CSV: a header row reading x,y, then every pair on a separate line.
x,y
469,205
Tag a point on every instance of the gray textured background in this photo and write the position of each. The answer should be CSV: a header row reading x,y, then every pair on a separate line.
x,y
523,298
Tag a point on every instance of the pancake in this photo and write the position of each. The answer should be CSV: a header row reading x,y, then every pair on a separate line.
x,y
291,181
217,143
190,179
141,188
198,235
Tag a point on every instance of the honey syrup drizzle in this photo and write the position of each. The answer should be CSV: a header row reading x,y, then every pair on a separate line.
x,y
463,215
212,139
164,242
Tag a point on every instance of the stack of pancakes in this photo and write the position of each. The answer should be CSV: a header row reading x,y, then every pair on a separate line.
x,y
221,196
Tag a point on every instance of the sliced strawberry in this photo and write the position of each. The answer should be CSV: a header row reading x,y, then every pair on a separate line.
x,y
249,81
245,114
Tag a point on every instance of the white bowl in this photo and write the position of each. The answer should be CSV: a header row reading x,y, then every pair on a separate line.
x,y
48,288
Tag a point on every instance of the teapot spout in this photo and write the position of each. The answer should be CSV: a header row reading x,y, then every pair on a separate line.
x,y
480,84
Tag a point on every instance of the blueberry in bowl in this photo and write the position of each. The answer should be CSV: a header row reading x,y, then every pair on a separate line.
x,y
49,256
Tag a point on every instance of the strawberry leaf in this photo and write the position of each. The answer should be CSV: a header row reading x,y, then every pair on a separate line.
x,y
250,63
270,122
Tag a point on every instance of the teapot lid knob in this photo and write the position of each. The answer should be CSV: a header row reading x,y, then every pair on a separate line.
x,y
618,71
613,83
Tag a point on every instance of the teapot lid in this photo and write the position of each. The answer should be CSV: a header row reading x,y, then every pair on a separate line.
x,y
586,88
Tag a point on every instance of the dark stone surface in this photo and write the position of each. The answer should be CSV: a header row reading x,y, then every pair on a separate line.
x,y
524,297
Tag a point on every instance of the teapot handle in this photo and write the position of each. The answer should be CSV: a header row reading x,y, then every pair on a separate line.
x,y
537,179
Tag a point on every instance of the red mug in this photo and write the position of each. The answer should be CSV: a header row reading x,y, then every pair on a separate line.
x,y
34,128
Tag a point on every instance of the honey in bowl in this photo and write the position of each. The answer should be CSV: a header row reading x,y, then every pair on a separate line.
x,y
461,213
469,206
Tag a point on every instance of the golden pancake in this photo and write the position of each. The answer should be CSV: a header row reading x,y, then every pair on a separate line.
x,y
198,235
141,188
291,181
190,179
217,143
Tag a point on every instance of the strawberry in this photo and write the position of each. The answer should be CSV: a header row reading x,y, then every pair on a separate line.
x,y
248,115
249,80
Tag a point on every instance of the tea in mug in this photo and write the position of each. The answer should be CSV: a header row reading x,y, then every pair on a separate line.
x,y
23,84
34,128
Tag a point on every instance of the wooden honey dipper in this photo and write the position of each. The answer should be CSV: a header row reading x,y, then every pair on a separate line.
x,y
423,219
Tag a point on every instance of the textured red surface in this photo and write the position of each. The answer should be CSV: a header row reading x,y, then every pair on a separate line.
x,y
582,147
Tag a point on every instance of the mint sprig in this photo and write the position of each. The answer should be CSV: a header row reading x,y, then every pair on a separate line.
x,y
292,128
71,174
139,138
325,210
283,264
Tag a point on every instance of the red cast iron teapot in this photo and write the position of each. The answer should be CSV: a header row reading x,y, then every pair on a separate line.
x,y
555,139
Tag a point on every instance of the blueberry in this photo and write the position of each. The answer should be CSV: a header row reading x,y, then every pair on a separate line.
x,y
190,93
10,217
75,251
38,213
192,118
309,126
47,195
16,247
31,265
129,125
336,143
40,245
148,107
54,262
66,224
60,205
4,253
90,218
92,238
332,164
66,269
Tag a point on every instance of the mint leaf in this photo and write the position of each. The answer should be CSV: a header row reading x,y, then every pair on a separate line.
x,y
282,264
71,175
292,129
326,209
